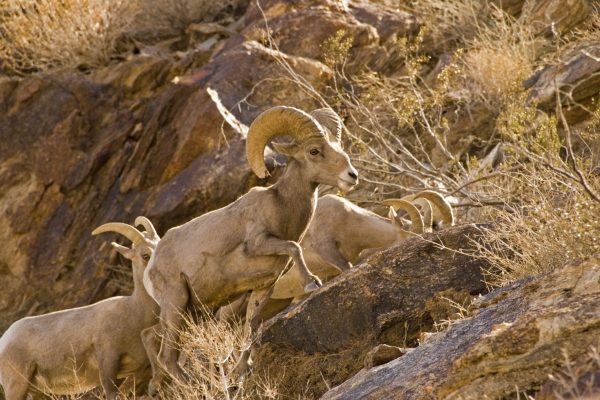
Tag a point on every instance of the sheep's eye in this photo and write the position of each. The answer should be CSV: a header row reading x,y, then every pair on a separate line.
x,y
314,152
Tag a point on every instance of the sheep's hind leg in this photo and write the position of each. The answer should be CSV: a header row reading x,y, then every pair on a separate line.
x,y
329,253
234,309
256,303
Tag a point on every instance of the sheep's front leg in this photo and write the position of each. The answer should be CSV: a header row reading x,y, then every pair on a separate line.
x,y
108,364
16,383
151,341
256,303
266,245
171,319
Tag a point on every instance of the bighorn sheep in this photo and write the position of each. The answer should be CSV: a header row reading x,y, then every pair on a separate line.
x,y
244,246
342,234
76,350
338,233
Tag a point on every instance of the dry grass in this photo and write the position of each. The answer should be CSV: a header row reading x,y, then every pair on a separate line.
x,y
578,379
44,35
176,15
496,60
211,350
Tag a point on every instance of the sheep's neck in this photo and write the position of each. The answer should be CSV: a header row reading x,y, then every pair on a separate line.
x,y
139,294
298,194
294,184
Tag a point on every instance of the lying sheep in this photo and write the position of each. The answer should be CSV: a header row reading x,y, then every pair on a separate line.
x,y
244,246
342,234
75,350
339,232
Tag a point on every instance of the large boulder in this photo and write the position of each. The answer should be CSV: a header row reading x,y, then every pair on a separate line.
x,y
577,78
514,342
390,299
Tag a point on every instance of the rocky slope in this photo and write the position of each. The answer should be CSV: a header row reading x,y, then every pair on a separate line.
x,y
515,341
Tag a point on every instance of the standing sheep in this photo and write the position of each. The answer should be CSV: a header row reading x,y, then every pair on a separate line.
x,y
75,350
244,246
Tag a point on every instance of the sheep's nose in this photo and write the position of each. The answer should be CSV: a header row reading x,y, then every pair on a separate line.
x,y
353,175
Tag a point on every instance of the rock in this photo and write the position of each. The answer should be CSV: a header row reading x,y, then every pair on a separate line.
x,y
554,16
514,341
327,336
576,77
512,7
389,23
381,354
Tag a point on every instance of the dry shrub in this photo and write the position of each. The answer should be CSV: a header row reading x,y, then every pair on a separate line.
x,y
45,35
211,349
550,212
555,222
495,62
578,379
450,22
174,16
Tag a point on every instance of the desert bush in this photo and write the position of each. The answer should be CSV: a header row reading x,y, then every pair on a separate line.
x,y
449,23
495,62
578,379
45,35
211,349
174,16
542,198
551,208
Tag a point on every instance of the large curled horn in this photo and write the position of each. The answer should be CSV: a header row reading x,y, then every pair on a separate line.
x,y
330,120
426,212
145,222
441,203
126,230
277,121
416,220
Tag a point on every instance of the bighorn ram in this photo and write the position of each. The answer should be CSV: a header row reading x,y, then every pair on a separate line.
x,y
244,246
75,350
342,234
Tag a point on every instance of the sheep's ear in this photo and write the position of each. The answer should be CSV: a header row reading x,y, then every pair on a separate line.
x,y
288,149
396,220
124,251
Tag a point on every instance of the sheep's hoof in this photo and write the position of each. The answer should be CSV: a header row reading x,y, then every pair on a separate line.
x,y
311,287
153,388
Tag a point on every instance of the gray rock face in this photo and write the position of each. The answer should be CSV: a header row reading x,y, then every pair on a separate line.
x,y
515,339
